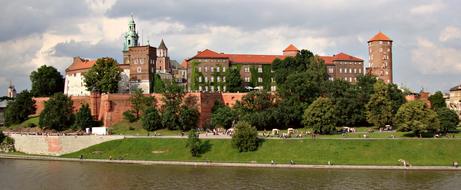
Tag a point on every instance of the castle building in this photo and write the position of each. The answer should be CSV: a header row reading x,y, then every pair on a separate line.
x,y
380,55
140,64
453,100
206,70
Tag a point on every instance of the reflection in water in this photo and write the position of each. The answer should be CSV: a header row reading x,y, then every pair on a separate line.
x,y
24,174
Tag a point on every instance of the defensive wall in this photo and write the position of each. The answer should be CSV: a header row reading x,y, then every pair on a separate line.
x,y
109,108
56,145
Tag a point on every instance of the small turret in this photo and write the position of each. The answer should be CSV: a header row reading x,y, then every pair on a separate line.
x,y
11,91
131,37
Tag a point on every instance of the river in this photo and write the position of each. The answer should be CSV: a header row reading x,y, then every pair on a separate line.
x,y
30,174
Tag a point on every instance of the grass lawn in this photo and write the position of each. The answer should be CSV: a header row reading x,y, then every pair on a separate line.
x,y
302,151
32,120
135,128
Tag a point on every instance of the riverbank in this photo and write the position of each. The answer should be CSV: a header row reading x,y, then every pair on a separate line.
x,y
223,164
383,152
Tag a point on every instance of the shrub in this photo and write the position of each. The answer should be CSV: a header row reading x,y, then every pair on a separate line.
x,y
193,143
83,118
245,137
151,120
129,116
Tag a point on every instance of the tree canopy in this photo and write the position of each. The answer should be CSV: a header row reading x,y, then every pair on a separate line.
x,y
416,117
234,82
151,119
437,100
103,76
449,119
57,114
83,118
321,116
46,81
379,107
19,109
245,137
139,102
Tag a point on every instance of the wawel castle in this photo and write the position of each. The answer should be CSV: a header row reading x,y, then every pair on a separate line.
x,y
205,71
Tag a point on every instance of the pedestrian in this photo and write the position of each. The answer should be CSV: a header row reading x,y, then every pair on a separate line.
x,y
81,156
292,162
455,164
272,162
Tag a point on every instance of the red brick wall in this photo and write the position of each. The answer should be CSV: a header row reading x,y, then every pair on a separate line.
x,y
110,107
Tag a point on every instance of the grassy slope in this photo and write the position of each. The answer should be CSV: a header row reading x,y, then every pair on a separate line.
x,y
307,151
135,128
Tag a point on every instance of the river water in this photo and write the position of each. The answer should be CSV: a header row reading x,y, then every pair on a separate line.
x,y
29,174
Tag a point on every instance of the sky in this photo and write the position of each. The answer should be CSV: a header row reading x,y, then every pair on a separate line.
x,y
426,33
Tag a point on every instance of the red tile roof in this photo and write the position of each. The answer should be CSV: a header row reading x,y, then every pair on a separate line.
x,y
80,64
329,60
249,58
380,37
209,54
184,64
291,47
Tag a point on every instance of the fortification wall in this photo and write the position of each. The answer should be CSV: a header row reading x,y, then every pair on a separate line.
x,y
109,108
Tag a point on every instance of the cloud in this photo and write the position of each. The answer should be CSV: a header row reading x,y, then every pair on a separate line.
x,y
429,8
431,58
450,33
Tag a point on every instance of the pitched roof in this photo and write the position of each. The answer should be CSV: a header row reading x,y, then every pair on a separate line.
x,y
329,60
80,64
380,37
251,58
209,54
291,47
345,57
184,64
456,88
162,45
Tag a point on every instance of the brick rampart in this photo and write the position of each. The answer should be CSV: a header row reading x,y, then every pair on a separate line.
x,y
109,108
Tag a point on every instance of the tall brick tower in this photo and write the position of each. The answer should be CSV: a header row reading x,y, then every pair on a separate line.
x,y
141,59
380,52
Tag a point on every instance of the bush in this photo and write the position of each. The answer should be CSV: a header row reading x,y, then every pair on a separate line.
x,y
151,120
129,116
57,114
193,143
245,137
83,118
320,116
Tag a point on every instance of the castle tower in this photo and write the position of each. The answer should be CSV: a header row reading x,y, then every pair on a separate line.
x,y
130,39
11,91
291,50
163,64
380,52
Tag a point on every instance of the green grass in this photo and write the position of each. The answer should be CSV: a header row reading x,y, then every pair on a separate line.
x,y
34,120
302,151
135,128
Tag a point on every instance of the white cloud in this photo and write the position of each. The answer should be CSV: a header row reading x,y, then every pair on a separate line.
x,y
427,8
431,58
450,33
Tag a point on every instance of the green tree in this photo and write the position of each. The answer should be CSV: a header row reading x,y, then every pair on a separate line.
x,y
188,117
257,108
223,117
379,108
437,100
159,85
396,96
20,108
193,143
46,81
129,116
245,137
151,120
83,118
57,114
321,116
234,81
172,99
103,76
139,102
449,119
416,117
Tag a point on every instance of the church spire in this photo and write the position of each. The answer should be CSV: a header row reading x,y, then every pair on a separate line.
x,y
131,37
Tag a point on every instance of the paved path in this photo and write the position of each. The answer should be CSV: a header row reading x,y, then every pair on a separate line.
x,y
222,164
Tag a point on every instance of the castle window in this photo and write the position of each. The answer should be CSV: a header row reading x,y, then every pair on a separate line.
x,y
272,79
355,70
206,69
141,61
138,69
212,79
330,78
224,88
206,88
217,69
247,79
246,70
212,69
212,88
260,79
199,88
224,79
218,79
200,79
206,79
360,70
218,88
340,70
350,70
260,69
200,69
129,42
224,69
330,69
273,88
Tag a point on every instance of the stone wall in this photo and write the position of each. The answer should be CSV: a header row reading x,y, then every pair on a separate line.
x,y
109,108
56,145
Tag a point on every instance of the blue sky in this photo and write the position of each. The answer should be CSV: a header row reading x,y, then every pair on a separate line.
x,y
426,33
